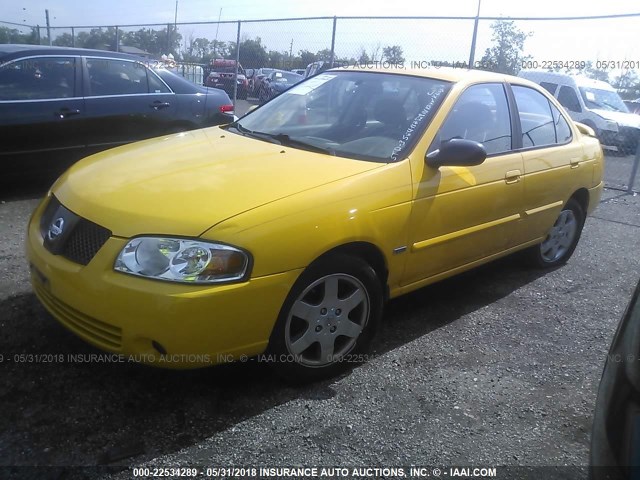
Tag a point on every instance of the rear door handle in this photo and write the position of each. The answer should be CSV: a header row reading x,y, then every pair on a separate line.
x,y
157,105
512,176
575,162
66,112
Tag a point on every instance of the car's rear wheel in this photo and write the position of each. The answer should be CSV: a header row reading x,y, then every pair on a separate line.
x,y
562,239
327,320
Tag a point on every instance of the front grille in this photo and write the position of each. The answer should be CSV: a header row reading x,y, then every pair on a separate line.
x,y
104,335
85,241
67,234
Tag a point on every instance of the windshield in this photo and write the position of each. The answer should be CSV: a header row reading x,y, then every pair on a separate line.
x,y
603,99
362,115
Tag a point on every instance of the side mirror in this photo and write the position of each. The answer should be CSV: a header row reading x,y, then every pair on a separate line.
x,y
457,152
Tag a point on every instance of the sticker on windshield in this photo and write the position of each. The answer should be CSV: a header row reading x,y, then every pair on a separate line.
x,y
310,84
590,96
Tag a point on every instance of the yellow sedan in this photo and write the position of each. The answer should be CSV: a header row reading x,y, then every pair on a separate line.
x,y
282,234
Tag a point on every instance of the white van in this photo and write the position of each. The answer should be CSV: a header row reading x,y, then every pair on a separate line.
x,y
594,103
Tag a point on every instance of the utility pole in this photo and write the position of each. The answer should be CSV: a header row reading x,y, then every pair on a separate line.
x,y
46,14
473,39
215,40
290,54
175,24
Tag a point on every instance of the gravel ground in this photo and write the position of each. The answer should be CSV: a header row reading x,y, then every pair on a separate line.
x,y
499,366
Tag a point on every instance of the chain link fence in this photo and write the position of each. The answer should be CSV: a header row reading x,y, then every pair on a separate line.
x,y
255,52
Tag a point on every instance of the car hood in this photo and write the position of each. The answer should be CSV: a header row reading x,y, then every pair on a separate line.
x,y
184,184
622,118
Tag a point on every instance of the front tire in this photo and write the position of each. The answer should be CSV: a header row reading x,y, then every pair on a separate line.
x,y
562,239
327,320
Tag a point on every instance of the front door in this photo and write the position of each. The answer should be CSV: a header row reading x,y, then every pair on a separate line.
x,y
464,214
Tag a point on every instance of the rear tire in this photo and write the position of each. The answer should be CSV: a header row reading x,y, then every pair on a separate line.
x,y
562,239
327,321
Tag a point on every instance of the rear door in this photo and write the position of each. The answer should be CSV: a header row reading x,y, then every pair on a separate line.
x,y
41,112
553,161
125,102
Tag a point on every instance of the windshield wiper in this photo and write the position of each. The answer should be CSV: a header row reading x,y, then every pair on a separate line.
x,y
612,107
280,139
254,134
286,140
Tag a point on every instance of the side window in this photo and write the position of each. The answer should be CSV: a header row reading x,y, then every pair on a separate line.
x,y
569,100
549,87
480,114
535,117
116,77
38,79
563,131
156,85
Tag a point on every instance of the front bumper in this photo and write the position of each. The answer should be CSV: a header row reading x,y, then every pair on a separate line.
x,y
194,326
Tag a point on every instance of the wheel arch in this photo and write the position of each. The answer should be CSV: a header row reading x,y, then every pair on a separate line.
x,y
582,197
367,252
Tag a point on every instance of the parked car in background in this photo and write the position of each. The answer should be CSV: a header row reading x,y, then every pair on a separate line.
x,y
276,83
594,103
60,104
615,438
250,74
258,78
633,106
315,68
223,75
286,231
299,71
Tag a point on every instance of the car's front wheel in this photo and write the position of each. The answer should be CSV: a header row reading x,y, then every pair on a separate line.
x,y
562,239
328,319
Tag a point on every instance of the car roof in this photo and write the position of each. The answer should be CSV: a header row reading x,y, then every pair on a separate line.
x,y
9,50
448,74
578,80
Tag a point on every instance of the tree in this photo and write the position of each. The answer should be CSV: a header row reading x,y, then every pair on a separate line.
x,y
64,40
506,55
276,59
324,55
628,84
393,54
157,42
364,58
97,38
252,53
13,35
306,57
596,73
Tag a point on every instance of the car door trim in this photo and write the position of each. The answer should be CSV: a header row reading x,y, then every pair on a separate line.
x,y
544,208
460,233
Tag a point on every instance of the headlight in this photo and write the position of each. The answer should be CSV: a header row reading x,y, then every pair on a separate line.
x,y
182,260
611,125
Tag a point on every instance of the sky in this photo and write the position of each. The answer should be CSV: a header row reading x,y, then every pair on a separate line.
x,y
83,12
611,40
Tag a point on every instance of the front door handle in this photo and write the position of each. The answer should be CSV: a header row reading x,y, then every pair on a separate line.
x,y
157,105
575,162
512,176
66,112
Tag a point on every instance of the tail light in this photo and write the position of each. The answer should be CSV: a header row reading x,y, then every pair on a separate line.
x,y
227,109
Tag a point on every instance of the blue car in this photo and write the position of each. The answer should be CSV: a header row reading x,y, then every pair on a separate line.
x,y
277,82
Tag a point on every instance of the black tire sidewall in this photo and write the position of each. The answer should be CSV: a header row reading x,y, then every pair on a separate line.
x,y
333,264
